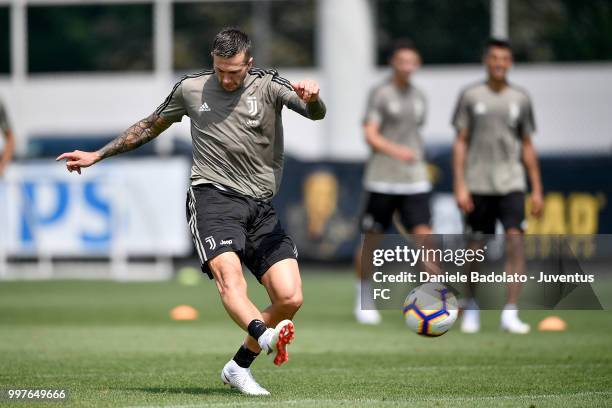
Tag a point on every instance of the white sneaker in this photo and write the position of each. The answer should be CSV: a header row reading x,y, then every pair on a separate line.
x,y
371,316
511,323
470,322
275,341
241,379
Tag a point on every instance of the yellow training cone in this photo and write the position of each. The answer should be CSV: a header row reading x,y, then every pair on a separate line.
x,y
184,312
552,323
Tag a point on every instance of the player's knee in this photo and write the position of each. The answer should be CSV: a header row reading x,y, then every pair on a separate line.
x,y
421,229
232,288
230,282
296,301
292,303
513,232
232,292
514,239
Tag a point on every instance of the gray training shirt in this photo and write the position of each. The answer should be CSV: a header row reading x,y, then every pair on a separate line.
x,y
496,123
4,122
400,115
237,136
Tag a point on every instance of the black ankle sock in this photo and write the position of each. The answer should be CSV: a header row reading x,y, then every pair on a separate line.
x,y
256,328
244,357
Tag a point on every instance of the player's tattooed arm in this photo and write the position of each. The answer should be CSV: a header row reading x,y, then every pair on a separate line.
x,y
135,136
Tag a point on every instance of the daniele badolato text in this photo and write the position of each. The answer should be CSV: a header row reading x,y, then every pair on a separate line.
x,y
415,257
477,277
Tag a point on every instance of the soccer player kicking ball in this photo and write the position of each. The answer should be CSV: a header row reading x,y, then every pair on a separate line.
x,y
237,134
494,123
396,177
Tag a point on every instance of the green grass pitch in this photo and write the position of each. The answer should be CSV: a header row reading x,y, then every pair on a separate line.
x,y
113,344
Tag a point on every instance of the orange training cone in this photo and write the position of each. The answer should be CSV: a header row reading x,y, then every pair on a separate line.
x,y
552,323
183,312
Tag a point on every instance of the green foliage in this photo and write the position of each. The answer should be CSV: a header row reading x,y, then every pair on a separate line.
x,y
561,30
445,31
283,38
71,38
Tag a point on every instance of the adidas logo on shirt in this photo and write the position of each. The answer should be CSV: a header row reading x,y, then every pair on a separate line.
x,y
204,108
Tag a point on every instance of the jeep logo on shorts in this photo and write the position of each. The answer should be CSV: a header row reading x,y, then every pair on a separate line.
x,y
226,242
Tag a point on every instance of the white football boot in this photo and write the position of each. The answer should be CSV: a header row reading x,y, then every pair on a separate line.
x,y
511,323
241,379
275,341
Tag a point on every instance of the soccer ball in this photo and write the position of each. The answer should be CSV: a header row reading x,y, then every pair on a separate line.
x,y
430,309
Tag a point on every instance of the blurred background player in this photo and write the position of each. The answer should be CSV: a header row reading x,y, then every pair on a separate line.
x,y
396,177
494,123
9,140
236,127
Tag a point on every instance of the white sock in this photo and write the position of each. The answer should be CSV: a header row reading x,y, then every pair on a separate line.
x,y
510,312
264,340
363,286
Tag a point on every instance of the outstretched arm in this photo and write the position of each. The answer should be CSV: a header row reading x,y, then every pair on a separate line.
x,y
135,136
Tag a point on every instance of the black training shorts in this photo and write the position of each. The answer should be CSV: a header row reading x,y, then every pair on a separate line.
x,y
509,209
413,210
223,221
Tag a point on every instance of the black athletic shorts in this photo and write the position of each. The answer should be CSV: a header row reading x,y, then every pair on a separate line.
x,y
413,210
509,209
223,221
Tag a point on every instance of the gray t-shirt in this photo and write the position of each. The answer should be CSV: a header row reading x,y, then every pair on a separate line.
x,y
4,122
237,136
496,123
400,115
